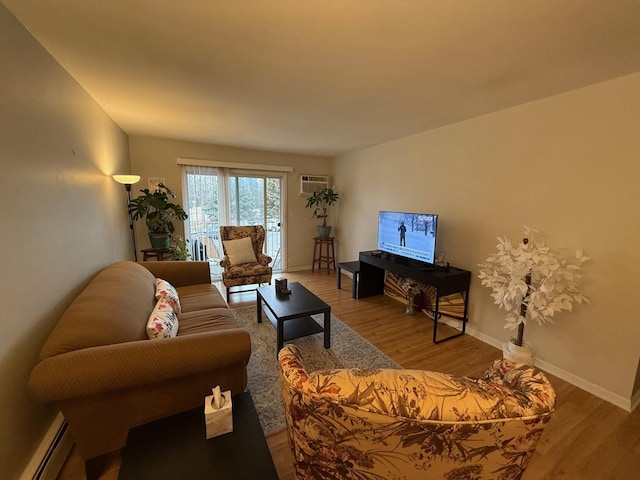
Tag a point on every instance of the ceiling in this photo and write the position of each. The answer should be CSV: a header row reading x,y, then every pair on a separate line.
x,y
326,76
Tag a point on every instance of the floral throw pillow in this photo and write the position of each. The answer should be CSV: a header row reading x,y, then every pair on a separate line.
x,y
163,321
166,290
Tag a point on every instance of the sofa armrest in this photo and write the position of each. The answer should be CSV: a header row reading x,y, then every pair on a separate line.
x,y
180,273
519,377
92,371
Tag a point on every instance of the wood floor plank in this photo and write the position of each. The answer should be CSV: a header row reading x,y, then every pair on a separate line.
x,y
587,439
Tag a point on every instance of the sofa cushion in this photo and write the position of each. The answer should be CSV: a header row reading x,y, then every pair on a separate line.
x,y
240,251
200,297
166,290
108,311
208,320
163,322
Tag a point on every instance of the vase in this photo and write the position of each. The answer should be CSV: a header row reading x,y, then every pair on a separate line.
x,y
160,239
324,231
521,354
411,296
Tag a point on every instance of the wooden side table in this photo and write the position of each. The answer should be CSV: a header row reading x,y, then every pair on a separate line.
x,y
328,257
158,253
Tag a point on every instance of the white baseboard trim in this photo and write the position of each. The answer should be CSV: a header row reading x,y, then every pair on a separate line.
x,y
617,400
298,269
47,461
592,388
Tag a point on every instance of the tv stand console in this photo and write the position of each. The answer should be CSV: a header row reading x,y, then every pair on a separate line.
x,y
446,281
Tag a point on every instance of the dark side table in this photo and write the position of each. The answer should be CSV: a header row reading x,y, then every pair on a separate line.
x,y
354,268
176,448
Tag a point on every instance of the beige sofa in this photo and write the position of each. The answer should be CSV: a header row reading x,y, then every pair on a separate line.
x,y
99,367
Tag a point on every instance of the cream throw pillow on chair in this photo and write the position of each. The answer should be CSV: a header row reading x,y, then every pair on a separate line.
x,y
240,251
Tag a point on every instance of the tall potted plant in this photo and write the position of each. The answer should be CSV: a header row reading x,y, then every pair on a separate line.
x,y
320,201
158,212
530,281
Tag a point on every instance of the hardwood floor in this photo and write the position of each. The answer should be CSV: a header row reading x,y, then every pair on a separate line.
x,y
588,438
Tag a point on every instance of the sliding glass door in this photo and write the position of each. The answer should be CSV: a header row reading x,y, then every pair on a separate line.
x,y
219,196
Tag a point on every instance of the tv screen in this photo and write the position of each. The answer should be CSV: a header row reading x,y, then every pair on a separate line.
x,y
410,235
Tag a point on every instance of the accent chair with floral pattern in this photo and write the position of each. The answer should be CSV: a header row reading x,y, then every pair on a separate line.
x,y
254,270
411,424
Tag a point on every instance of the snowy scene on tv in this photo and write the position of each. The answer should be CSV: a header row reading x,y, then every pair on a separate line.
x,y
411,235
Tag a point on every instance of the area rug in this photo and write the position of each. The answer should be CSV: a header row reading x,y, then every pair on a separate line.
x,y
348,350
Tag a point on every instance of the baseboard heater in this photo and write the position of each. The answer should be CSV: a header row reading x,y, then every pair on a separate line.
x,y
53,451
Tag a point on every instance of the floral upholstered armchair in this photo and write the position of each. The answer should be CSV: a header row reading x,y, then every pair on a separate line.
x,y
413,424
243,262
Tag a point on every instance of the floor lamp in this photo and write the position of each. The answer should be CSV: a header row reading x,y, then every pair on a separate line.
x,y
127,181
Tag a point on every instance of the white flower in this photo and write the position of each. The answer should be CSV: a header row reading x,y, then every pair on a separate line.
x,y
553,285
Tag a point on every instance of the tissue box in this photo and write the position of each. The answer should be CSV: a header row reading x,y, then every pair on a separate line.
x,y
218,421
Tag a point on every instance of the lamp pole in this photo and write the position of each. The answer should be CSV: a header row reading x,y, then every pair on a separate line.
x,y
133,234
127,181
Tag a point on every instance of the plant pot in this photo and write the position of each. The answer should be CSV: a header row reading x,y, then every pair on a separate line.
x,y
324,232
523,354
160,239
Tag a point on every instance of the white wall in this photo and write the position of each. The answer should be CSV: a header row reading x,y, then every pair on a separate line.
x,y
63,218
568,166
155,157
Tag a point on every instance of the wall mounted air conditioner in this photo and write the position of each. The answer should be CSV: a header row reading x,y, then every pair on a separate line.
x,y
312,183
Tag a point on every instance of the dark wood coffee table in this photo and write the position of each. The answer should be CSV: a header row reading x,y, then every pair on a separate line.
x,y
176,448
291,313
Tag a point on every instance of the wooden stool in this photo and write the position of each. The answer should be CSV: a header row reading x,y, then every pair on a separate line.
x,y
158,253
319,257
354,268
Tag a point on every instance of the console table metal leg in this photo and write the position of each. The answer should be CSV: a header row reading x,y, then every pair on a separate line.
x,y
436,315
354,284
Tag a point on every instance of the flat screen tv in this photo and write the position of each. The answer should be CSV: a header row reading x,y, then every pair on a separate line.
x,y
409,235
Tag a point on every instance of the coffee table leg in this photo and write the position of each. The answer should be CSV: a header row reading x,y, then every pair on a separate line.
x,y
280,335
327,329
259,302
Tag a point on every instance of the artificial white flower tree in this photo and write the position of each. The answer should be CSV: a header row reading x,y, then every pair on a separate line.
x,y
531,281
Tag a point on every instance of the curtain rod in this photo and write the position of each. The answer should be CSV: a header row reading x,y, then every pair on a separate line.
x,y
246,166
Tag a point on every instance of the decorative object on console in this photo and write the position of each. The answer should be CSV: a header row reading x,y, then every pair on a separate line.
x,y
158,212
530,281
412,288
127,181
320,201
424,298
